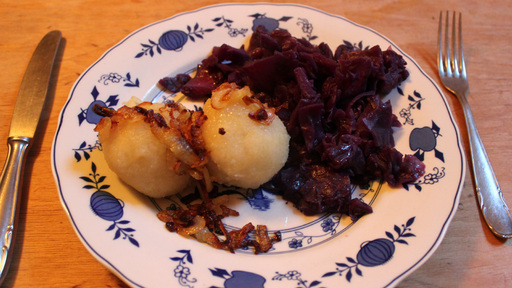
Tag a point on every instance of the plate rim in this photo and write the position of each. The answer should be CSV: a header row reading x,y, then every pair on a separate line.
x,y
128,280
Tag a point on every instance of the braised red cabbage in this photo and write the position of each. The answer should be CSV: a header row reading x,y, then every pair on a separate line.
x,y
331,103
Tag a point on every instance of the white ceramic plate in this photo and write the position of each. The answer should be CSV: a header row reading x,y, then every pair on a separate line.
x,y
119,226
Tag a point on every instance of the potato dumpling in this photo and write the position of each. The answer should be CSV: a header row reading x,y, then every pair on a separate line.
x,y
137,156
246,141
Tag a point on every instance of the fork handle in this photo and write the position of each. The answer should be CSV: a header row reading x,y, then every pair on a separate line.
x,y
490,198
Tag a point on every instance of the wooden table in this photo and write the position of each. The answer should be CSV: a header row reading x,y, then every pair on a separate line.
x,y
49,254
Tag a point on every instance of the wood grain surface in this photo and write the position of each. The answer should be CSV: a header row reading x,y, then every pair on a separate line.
x,y
48,253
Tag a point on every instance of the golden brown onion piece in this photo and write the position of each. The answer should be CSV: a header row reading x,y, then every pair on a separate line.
x,y
204,222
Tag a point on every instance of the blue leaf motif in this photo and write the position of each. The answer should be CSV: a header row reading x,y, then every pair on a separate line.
x,y
410,221
78,157
439,155
95,93
189,258
359,272
118,234
222,273
397,229
133,241
87,179
400,91
329,274
111,227
349,275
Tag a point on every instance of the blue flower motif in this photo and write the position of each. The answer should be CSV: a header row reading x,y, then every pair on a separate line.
x,y
295,276
292,275
295,243
415,104
233,32
181,271
328,225
116,78
112,77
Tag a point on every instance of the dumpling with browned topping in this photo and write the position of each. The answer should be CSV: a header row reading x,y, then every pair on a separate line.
x,y
247,143
144,147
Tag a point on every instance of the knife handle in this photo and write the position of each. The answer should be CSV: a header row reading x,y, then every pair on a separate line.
x,y
10,190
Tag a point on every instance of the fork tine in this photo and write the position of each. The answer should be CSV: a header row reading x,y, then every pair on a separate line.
x,y
440,45
461,50
455,48
448,59
450,56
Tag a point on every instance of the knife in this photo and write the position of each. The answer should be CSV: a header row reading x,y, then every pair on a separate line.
x,y
25,118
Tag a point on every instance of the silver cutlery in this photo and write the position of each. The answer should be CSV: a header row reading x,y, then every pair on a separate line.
x,y
25,118
452,71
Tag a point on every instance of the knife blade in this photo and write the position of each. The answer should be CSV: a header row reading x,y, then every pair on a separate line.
x,y
24,122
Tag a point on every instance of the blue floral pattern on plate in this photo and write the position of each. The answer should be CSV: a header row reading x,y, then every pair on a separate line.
x,y
323,251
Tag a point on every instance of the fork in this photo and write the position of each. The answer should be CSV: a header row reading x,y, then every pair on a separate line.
x,y
452,71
